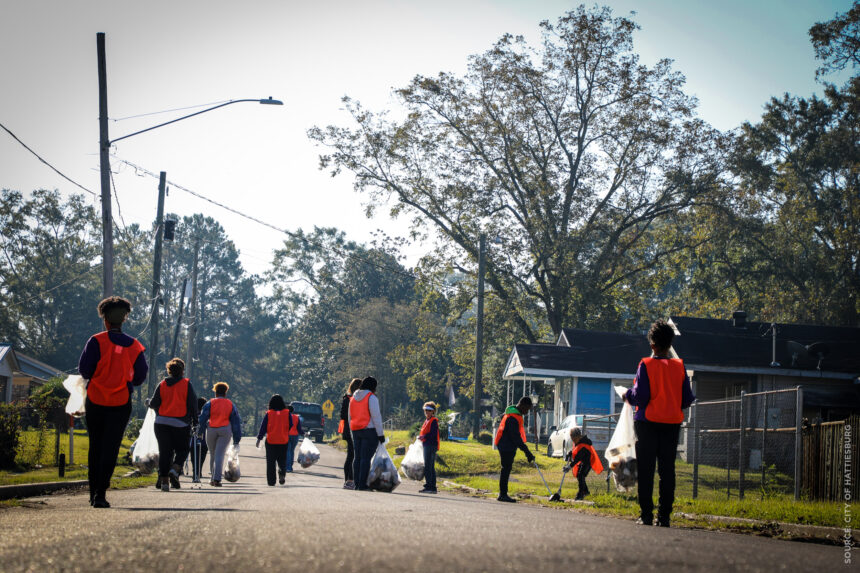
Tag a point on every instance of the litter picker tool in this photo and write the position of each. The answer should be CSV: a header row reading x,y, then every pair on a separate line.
x,y
541,477
557,495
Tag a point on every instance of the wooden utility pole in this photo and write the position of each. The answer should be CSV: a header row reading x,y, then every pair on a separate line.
x,y
192,327
479,338
178,317
156,283
104,166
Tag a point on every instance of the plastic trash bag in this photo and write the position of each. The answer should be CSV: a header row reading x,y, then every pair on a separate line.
x,y
413,462
308,453
145,448
77,387
231,464
621,450
383,475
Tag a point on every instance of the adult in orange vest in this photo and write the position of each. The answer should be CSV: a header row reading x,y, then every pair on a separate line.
x,y
175,405
275,427
583,459
221,422
365,422
661,391
511,436
113,363
429,436
295,431
346,434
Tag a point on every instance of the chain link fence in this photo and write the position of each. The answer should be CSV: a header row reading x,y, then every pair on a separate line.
x,y
751,443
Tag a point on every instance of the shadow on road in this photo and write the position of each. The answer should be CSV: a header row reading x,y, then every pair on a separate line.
x,y
227,509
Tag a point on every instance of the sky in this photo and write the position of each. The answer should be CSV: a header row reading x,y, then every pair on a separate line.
x,y
169,55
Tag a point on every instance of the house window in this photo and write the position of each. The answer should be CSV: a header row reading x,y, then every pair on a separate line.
x,y
592,396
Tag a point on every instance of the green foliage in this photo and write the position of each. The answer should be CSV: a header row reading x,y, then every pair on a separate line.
x,y
837,41
132,431
10,433
485,438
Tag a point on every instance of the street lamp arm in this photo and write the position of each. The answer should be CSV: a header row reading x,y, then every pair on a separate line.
x,y
268,101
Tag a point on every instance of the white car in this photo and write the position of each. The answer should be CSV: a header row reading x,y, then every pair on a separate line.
x,y
559,440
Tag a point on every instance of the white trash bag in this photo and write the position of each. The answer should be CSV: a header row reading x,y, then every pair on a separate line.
x,y
383,475
308,453
413,462
77,387
621,450
145,448
231,464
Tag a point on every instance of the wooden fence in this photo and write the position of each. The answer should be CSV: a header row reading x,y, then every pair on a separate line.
x,y
830,460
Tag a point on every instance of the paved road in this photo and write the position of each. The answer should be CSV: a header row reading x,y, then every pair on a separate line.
x,y
312,525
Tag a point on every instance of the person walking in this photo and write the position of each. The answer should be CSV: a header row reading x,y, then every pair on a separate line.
x,y
220,420
365,423
198,442
511,436
429,436
275,427
175,405
346,434
582,459
114,363
295,431
661,391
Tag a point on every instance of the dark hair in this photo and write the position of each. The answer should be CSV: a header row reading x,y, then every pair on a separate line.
x,y
276,402
369,383
220,388
524,401
176,367
201,401
661,335
290,407
353,386
114,309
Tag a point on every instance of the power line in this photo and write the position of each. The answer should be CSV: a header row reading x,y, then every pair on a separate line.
x,y
168,110
39,157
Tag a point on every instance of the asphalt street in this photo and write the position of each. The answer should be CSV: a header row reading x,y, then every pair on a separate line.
x,y
313,525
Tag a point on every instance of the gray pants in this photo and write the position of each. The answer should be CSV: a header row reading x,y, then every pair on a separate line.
x,y
218,440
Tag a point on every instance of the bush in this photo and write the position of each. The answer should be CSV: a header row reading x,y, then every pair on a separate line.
x,y
485,438
10,434
132,431
415,428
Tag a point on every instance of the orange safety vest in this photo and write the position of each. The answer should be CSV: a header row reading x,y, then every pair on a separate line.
x,y
278,426
294,427
359,412
425,430
219,412
666,379
594,459
518,418
115,369
340,426
174,399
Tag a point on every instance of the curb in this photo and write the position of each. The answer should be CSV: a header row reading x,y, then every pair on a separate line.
x,y
777,527
34,489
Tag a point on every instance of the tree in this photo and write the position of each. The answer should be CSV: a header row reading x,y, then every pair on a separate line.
x,y
568,155
837,42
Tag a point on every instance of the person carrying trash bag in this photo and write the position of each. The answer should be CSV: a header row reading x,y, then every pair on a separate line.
x,y
365,423
175,404
582,459
220,420
113,362
346,434
511,436
661,391
429,436
295,431
275,428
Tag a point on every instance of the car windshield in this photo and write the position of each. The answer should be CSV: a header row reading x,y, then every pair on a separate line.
x,y
307,408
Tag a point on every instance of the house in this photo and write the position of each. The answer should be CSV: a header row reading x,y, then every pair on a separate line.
x,y
722,357
21,375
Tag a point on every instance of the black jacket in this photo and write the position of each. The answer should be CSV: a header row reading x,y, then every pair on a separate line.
x,y
582,456
344,415
510,439
190,416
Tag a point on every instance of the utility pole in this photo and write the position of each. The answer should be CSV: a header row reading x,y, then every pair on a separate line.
x,y
179,317
156,282
192,328
479,338
104,164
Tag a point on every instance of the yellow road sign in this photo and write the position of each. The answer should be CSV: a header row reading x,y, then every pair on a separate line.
x,y
328,408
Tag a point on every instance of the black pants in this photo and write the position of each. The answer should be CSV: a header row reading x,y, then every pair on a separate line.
x,y
430,466
173,445
348,474
366,442
275,453
656,444
507,464
582,464
105,426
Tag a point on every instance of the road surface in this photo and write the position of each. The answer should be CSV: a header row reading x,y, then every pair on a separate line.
x,y
313,525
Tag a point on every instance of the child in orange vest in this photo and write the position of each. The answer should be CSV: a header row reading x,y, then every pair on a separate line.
x,y
582,459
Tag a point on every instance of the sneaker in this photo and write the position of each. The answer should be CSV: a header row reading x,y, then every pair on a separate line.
x,y
506,498
216,483
579,496
173,476
282,477
662,521
158,483
349,485
165,486
100,502
643,521
212,482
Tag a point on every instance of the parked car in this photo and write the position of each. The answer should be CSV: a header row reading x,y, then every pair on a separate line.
x,y
313,421
559,439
